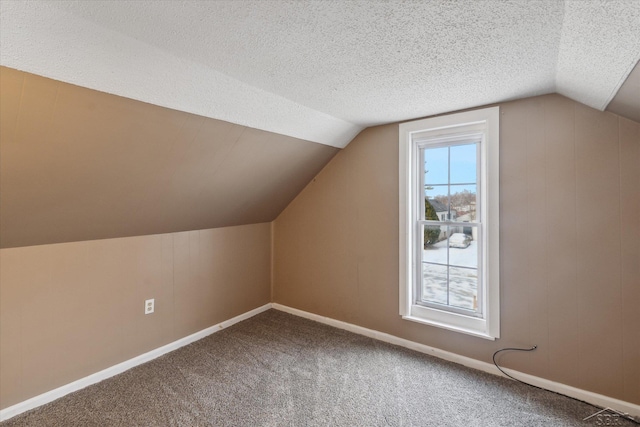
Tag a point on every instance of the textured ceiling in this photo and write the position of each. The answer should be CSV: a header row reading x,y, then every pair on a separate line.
x,y
599,47
323,70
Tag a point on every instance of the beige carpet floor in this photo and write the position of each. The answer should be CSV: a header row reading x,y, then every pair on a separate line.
x,y
276,369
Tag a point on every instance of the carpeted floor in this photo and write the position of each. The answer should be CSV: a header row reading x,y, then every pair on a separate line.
x,y
276,369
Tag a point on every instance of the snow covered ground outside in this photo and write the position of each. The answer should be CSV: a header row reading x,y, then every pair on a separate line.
x,y
463,282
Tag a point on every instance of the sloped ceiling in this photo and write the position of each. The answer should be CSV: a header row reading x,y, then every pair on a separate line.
x,y
78,164
323,70
626,103
125,118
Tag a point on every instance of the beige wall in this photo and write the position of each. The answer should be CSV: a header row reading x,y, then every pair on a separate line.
x,y
570,245
69,310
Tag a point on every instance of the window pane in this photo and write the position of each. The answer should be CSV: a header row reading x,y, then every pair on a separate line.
x,y
436,202
436,166
433,237
463,288
450,266
463,246
434,283
463,201
440,192
463,164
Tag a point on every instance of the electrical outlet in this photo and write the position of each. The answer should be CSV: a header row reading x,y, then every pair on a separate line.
x,y
149,306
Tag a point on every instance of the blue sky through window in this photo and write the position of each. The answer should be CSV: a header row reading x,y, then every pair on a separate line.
x,y
457,163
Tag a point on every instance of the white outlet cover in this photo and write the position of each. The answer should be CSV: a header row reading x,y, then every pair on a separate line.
x,y
149,306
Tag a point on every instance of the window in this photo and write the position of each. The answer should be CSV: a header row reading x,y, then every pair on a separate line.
x,y
449,223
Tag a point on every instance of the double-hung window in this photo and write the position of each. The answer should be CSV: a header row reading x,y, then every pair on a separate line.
x,y
449,202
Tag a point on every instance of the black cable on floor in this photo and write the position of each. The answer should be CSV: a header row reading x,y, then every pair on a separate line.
x,y
512,349
623,416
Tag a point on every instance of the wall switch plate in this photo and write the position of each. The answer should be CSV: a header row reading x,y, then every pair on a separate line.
x,y
149,306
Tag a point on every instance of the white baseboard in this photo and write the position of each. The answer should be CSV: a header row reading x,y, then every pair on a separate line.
x,y
57,393
595,399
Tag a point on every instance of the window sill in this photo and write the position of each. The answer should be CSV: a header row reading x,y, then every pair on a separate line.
x,y
454,328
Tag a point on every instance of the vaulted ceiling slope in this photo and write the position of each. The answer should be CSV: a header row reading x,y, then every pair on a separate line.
x,y
77,164
626,103
323,70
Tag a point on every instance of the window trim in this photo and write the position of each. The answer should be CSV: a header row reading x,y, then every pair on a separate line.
x,y
485,121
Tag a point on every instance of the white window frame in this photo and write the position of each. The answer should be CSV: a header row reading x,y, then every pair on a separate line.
x,y
482,124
